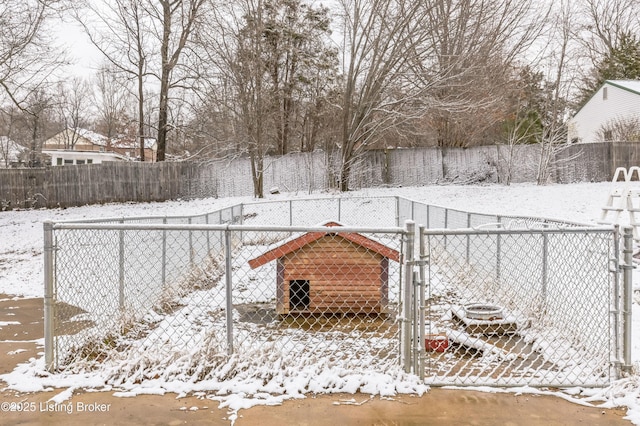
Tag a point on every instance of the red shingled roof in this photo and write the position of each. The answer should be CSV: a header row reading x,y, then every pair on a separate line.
x,y
303,240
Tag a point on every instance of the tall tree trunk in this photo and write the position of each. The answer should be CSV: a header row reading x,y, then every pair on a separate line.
x,y
345,171
257,175
164,82
141,134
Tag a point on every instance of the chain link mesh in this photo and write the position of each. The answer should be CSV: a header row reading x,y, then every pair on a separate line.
x,y
520,307
261,289
189,301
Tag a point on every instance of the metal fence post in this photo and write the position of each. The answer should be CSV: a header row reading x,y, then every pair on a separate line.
x,y
446,226
228,289
415,316
164,253
498,248
627,279
48,295
468,254
121,268
290,213
617,298
422,301
407,295
206,221
340,210
545,260
191,254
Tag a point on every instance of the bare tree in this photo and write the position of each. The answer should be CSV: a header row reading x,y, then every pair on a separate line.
x,y
271,70
553,136
444,60
111,98
383,39
131,34
119,30
607,21
602,28
37,106
519,132
250,80
73,105
7,128
27,64
176,20
477,44
26,59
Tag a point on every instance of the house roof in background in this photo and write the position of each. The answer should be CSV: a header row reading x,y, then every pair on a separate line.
x,y
629,85
124,142
91,136
632,86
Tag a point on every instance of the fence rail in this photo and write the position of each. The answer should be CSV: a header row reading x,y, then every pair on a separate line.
x,y
320,283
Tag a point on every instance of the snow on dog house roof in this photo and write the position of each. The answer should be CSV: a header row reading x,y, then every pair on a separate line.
x,y
305,239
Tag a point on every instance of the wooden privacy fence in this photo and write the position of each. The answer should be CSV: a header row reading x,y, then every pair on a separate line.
x,y
306,172
93,183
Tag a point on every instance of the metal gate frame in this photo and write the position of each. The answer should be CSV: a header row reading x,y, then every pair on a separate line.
x,y
417,283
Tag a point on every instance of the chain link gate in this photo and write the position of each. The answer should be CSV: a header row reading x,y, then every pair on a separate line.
x,y
544,307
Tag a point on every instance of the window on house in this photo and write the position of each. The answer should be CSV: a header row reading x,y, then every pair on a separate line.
x,y
299,295
89,161
605,95
68,161
59,161
79,161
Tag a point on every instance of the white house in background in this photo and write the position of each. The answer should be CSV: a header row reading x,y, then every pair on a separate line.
x,y
82,146
615,101
69,157
10,152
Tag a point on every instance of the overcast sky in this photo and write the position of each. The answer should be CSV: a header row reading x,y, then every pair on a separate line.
x,y
85,57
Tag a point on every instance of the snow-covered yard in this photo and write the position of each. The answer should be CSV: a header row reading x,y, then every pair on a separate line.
x,y
21,274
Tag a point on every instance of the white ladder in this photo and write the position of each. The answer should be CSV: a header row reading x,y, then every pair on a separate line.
x,y
624,197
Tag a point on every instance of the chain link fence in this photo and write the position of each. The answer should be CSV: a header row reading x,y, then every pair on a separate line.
x,y
521,306
271,289
194,299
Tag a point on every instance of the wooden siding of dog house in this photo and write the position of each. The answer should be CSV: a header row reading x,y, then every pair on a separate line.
x,y
347,273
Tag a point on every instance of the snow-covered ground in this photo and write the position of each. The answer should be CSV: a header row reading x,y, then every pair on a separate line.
x,y
21,266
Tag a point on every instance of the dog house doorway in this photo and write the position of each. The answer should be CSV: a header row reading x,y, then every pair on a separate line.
x,y
299,295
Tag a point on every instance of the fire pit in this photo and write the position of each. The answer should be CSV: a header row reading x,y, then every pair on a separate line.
x,y
483,312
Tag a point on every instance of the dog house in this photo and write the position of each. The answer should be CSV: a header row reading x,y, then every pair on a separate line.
x,y
330,273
